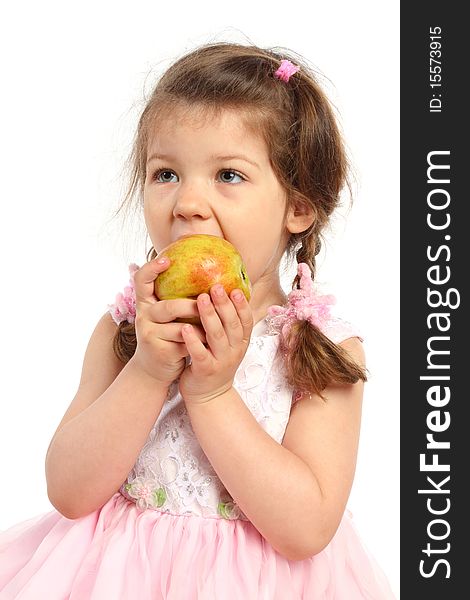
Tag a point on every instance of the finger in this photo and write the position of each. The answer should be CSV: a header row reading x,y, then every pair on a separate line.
x,y
215,332
200,355
244,313
228,315
144,280
166,311
172,332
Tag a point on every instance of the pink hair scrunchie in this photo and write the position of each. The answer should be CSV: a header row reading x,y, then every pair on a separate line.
x,y
303,304
285,71
123,308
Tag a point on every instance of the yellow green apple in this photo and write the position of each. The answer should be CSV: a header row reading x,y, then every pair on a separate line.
x,y
198,262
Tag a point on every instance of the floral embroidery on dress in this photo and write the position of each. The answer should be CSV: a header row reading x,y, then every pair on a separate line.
x,y
229,510
147,492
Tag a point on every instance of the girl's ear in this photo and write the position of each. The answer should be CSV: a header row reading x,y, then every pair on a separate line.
x,y
300,215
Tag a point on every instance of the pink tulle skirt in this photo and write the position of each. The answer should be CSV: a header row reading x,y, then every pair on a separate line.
x,y
121,553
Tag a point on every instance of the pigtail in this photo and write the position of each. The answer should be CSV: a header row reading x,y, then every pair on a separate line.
x,y
125,341
311,245
313,361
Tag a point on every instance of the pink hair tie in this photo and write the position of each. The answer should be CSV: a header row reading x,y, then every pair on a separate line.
x,y
286,70
303,304
123,308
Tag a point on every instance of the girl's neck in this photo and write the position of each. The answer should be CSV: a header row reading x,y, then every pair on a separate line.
x,y
265,293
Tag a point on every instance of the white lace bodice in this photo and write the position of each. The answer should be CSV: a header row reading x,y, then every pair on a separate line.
x,y
172,473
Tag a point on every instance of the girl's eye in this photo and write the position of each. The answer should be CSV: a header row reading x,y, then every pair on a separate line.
x,y
163,176
231,174
226,176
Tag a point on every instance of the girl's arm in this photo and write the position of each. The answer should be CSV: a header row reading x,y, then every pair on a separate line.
x,y
102,432
295,494
107,424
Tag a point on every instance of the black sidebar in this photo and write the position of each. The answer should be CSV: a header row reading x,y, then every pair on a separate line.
x,y
435,331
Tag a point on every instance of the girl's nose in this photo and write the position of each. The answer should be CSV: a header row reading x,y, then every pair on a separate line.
x,y
190,202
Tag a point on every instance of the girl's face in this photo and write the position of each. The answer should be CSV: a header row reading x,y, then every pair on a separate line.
x,y
214,176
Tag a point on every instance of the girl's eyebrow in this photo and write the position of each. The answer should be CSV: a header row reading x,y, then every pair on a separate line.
x,y
238,157
156,156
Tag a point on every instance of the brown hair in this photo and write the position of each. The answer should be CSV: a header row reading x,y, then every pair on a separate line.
x,y
307,155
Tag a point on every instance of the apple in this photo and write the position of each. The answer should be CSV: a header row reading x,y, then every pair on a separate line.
x,y
198,262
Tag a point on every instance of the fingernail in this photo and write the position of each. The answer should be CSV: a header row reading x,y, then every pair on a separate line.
x,y
162,261
237,296
219,291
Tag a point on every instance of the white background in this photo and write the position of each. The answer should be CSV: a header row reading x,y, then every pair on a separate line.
x,y
73,79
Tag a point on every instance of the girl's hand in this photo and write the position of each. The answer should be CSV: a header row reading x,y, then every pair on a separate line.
x,y
228,323
161,350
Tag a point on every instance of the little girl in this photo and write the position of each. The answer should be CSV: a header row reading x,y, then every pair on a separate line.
x,y
214,461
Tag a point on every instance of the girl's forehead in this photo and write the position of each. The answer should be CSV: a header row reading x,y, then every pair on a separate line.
x,y
228,122
196,117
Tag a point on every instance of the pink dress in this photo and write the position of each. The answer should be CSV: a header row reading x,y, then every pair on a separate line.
x,y
173,532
